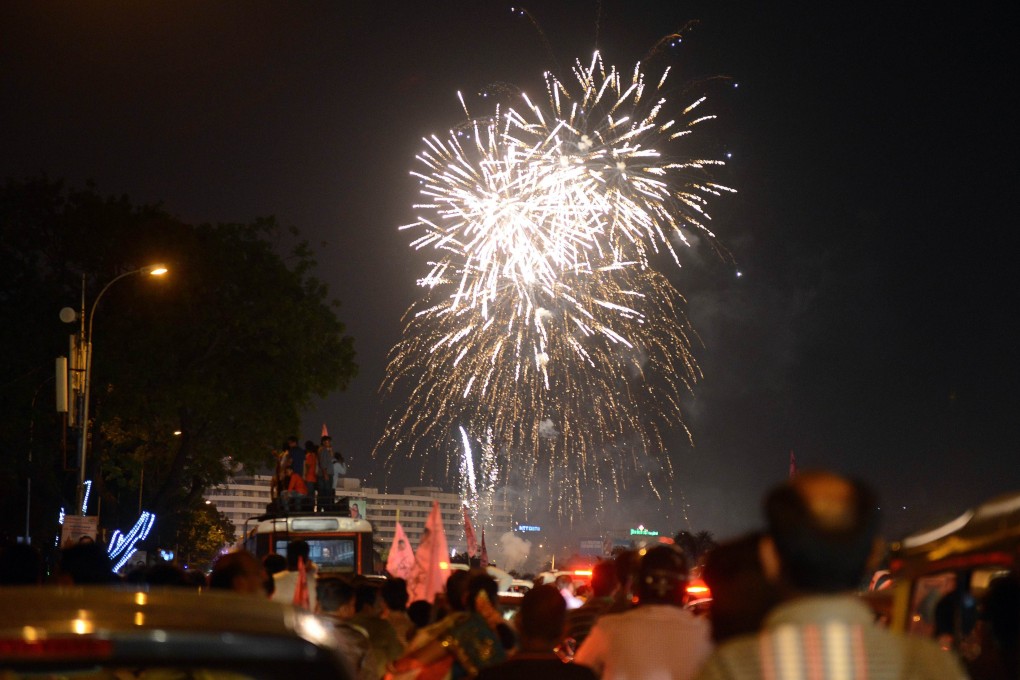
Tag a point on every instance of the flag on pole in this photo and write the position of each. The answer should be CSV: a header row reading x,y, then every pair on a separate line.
x,y
485,553
469,534
793,465
401,559
301,597
431,561
325,432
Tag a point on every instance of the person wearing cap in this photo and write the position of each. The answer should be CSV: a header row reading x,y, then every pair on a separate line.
x,y
655,639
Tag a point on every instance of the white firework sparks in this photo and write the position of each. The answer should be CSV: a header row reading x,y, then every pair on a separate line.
x,y
543,305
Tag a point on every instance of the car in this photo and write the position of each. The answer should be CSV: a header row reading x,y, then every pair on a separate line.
x,y
954,563
115,631
579,577
503,579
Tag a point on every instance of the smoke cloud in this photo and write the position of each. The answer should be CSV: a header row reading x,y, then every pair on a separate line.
x,y
513,551
547,429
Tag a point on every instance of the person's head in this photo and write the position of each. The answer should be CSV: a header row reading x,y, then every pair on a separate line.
x,y
291,442
541,619
565,582
335,596
310,446
240,572
603,579
420,613
662,576
394,594
167,574
366,600
20,565
1001,609
822,532
326,441
85,564
274,563
741,596
456,589
626,563
296,549
480,582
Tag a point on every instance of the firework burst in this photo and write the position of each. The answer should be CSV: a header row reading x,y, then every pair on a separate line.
x,y
544,323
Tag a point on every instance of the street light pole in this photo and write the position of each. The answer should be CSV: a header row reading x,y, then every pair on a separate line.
x,y
86,344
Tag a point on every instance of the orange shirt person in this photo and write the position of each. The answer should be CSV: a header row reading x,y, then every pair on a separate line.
x,y
297,490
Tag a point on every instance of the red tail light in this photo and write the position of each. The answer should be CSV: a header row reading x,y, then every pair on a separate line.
x,y
57,648
698,589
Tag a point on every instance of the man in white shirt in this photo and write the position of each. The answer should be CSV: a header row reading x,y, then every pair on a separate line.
x,y
286,582
657,639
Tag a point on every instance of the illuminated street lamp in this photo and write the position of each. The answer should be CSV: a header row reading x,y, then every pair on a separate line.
x,y
86,346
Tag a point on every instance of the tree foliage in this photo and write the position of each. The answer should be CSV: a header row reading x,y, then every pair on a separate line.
x,y
695,546
204,532
227,349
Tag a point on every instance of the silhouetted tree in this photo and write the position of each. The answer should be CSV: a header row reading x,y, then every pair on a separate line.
x,y
227,349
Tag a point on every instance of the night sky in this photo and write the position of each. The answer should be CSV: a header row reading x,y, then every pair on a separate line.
x,y
872,331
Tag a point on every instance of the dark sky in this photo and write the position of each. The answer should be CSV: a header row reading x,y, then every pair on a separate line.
x,y
873,330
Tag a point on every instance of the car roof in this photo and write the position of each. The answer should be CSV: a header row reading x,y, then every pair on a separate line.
x,y
116,608
118,624
989,532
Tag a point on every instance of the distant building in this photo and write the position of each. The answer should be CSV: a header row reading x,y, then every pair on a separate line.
x,y
242,497
246,496
414,506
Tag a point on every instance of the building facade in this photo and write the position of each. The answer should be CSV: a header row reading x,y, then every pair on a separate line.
x,y
412,509
246,496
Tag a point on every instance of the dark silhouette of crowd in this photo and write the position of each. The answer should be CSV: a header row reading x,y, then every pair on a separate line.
x,y
784,605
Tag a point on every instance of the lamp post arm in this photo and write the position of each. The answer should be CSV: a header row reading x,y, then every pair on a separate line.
x,y
87,344
95,303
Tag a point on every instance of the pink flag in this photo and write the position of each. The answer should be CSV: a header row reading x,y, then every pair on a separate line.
x,y
485,553
793,465
469,534
325,432
431,561
401,559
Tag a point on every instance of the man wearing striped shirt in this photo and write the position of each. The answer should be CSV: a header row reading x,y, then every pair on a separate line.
x,y
822,534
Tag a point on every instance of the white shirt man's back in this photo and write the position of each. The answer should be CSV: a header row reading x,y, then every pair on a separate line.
x,y
650,642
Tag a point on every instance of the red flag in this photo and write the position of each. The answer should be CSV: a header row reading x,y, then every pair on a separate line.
x,y
325,432
401,559
485,553
431,561
793,465
469,534
301,598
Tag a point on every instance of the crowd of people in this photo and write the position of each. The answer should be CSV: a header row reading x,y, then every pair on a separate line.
x,y
304,476
784,606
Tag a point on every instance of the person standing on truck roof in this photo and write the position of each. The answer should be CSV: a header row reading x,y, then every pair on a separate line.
x,y
325,455
311,474
297,455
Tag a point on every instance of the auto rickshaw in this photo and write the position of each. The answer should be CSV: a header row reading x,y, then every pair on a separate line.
x,y
940,576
